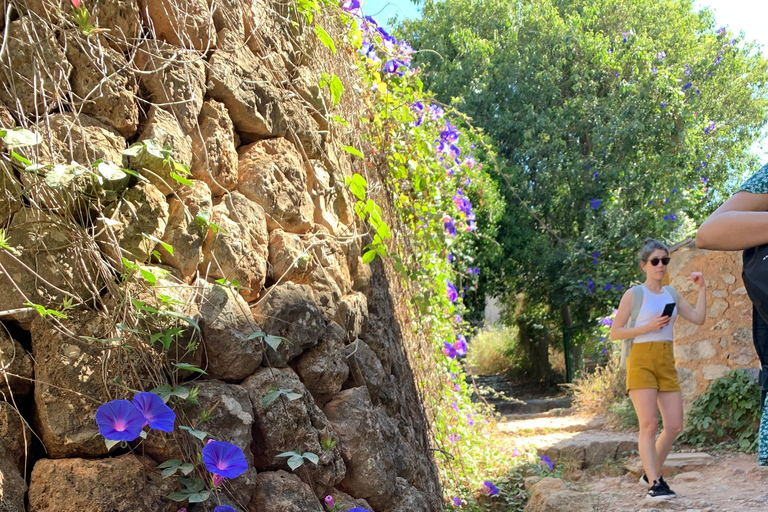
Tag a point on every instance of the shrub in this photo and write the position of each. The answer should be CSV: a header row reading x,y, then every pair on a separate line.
x,y
598,392
493,350
729,410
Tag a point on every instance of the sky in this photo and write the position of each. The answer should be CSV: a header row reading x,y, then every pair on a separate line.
x,y
738,15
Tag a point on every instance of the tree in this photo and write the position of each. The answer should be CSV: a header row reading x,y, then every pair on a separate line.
x,y
616,120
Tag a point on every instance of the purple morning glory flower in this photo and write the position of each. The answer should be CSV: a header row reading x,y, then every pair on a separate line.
x,y
515,453
490,488
687,69
436,112
687,86
119,420
450,257
596,175
654,70
663,104
394,66
607,320
704,180
450,290
650,202
672,216
454,150
329,502
158,415
456,501
454,438
449,225
619,287
595,204
607,287
225,459
461,345
457,318
358,509
350,5
224,508
450,134
605,351
440,146
546,460
590,286
661,55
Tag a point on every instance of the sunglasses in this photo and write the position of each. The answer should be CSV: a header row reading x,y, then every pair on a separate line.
x,y
656,261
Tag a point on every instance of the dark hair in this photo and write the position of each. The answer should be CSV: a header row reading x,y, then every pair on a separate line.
x,y
650,245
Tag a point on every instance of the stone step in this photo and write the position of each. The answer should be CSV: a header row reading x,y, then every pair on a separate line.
x,y
532,416
533,424
524,406
590,448
675,463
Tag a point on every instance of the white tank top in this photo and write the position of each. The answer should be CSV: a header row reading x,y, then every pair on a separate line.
x,y
653,306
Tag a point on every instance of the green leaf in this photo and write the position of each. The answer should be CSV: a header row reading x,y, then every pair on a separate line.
x,y
295,462
190,367
201,435
257,334
111,444
149,276
274,341
173,463
168,471
325,38
199,497
167,247
311,457
340,120
337,89
178,496
181,179
369,256
269,398
187,468
351,151
20,137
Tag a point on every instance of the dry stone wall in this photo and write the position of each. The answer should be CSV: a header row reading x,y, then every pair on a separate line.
x,y
259,237
724,342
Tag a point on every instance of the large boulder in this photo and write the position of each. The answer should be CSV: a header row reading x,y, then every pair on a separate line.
x,y
214,153
323,368
550,495
288,259
227,324
272,174
236,249
120,484
186,232
407,498
286,425
49,264
13,488
228,14
162,128
352,314
366,369
288,310
278,491
74,376
103,86
188,24
370,469
402,453
174,78
35,71
130,227
68,137
15,437
15,360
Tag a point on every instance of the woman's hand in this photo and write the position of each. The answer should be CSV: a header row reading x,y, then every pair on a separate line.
x,y
657,323
697,278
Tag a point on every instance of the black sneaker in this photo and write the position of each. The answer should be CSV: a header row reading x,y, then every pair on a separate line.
x,y
659,492
666,486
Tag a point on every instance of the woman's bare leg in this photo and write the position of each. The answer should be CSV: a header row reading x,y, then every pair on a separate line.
x,y
671,406
644,401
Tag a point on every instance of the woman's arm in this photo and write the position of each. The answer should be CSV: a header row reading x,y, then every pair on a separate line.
x,y
698,314
740,223
618,329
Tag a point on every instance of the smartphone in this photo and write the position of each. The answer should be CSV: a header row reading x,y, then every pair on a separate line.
x,y
669,309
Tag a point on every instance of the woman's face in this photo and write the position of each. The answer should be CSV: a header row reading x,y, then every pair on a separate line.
x,y
658,271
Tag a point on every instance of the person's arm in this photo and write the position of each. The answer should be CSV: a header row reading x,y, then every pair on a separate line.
x,y
619,331
740,223
698,314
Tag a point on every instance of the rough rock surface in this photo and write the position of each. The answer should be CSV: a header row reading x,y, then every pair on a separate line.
x,y
163,128
214,157
185,232
77,138
286,425
188,25
237,249
15,436
323,368
13,488
289,311
279,491
550,495
366,369
119,484
227,325
14,359
273,175
370,469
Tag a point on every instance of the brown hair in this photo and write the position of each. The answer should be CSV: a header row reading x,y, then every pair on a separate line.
x,y
650,245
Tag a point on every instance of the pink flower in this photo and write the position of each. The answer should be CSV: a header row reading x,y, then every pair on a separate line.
x,y
329,502
76,3
217,479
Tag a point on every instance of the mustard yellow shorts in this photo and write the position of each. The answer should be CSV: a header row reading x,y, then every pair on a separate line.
x,y
651,365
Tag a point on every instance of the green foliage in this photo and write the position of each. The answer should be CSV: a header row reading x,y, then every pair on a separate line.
x,y
296,459
194,491
599,391
493,350
19,137
271,340
572,88
170,467
275,393
43,311
370,211
729,410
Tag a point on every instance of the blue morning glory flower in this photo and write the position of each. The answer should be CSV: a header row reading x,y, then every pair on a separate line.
x,y
607,287
546,460
350,5
456,501
687,86
450,291
225,459
461,345
619,287
661,55
596,175
672,216
449,225
449,134
595,204
663,104
358,509
436,112
654,70
590,286
224,508
394,66
448,350
158,415
119,420
490,488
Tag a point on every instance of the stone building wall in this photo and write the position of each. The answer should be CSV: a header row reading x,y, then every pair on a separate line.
x,y
259,238
724,342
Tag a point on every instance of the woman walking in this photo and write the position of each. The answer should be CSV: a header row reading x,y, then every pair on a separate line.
x,y
649,312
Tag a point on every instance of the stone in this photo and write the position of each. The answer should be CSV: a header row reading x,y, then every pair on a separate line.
x,y
323,192
162,128
713,371
13,488
10,191
267,38
743,356
103,85
689,382
272,174
292,425
696,351
227,325
188,25
728,278
237,249
81,139
174,78
718,307
55,263
402,453
330,279
185,232
685,329
323,368
15,360
381,339
597,453
739,291
15,437
35,71
279,491
550,495
407,498
228,14
214,157
118,484
288,259
352,315
366,369
719,293
288,310
74,376
743,336
370,468
722,325
127,225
